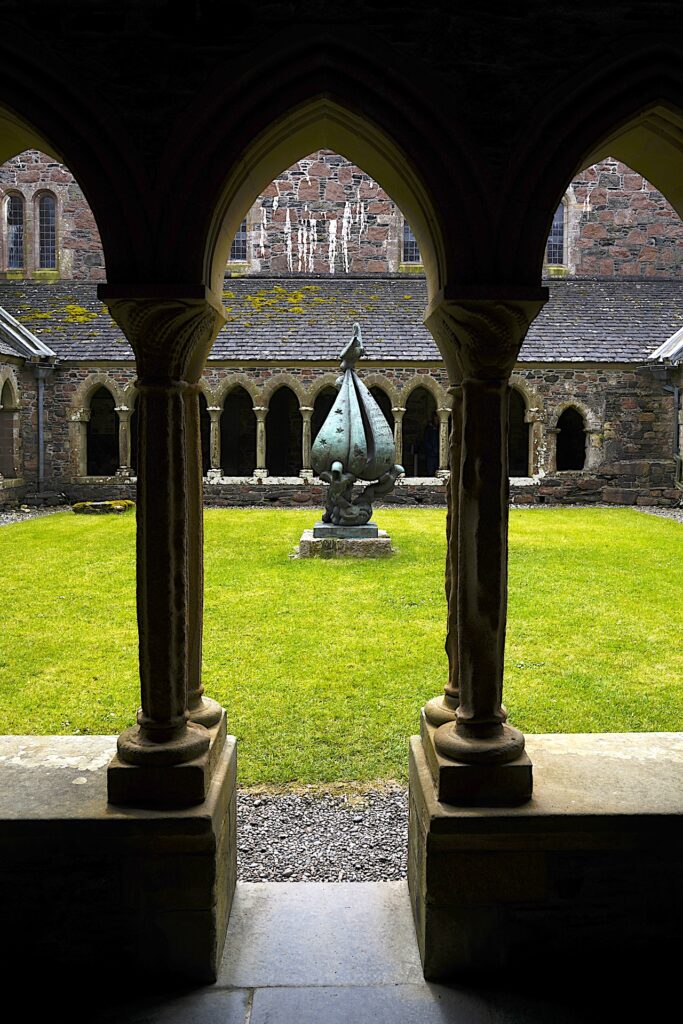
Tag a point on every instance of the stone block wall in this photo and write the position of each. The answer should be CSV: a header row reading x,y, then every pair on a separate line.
x,y
324,214
79,249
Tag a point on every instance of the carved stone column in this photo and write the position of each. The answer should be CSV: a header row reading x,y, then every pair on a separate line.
x,y
534,417
477,758
215,470
79,440
397,412
306,414
171,337
261,411
124,414
443,415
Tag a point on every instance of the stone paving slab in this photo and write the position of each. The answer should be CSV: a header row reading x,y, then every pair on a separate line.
x,y
320,933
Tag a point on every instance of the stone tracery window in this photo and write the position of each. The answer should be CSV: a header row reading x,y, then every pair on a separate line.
x,y
238,249
556,239
411,250
47,232
15,232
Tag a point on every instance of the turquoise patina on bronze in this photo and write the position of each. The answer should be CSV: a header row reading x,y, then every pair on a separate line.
x,y
354,443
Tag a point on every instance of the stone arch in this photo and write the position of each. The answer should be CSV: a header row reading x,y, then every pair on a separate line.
x,y
426,381
237,431
590,417
284,432
280,380
376,379
101,434
85,390
229,383
8,426
325,380
319,110
570,443
420,434
628,107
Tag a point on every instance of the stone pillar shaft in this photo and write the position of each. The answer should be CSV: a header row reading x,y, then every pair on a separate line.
x,y
306,414
451,690
124,437
443,438
398,412
215,438
261,411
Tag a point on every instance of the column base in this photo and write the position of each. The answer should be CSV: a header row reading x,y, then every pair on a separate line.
x,y
164,785
474,784
208,714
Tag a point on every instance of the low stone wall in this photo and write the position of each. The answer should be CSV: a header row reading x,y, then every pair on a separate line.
x,y
623,483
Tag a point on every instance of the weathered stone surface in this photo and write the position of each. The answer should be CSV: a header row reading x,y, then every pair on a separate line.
x,y
327,530
593,862
148,889
337,547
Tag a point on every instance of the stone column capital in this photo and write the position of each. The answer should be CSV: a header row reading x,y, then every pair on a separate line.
x,y
479,333
123,411
398,411
443,414
214,411
171,334
260,412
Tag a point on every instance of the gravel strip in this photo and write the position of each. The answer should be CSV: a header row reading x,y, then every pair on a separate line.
x,y
291,837
24,512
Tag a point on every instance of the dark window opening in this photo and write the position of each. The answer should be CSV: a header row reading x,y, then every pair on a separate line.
x,y
571,440
7,420
102,435
238,249
420,434
518,436
238,434
411,250
47,233
283,434
15,233
204,434
555,247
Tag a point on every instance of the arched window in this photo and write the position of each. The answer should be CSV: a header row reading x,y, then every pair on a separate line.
x,y
15,232
283,434
518,436
411,250
7,420
571,440
384,402
324,401
47,232
204,433
420,434
102,435
238,434
555,246
238,249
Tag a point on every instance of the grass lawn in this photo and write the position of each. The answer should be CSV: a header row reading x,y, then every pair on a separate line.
x,y
323,666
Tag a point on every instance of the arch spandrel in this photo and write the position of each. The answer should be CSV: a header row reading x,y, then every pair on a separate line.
x,y
280,380
231,383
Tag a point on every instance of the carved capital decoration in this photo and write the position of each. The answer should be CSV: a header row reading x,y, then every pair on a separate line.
x,y
480,337
171,337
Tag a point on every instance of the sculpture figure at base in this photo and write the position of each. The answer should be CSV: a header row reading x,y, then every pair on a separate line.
x,y
354,443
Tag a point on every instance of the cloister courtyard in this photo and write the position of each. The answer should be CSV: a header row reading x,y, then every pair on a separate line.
x,y
593,642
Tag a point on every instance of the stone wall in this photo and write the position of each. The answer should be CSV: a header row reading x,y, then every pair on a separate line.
x,y
324,214
79,250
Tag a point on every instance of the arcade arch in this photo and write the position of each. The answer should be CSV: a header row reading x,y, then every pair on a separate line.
x,y
8,429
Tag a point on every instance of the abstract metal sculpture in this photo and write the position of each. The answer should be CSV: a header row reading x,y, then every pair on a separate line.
x,y
354,443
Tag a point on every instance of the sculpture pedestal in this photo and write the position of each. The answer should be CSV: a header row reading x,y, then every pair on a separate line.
x,y
328,541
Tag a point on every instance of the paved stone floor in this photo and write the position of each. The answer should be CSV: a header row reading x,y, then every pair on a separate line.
x,y
340,953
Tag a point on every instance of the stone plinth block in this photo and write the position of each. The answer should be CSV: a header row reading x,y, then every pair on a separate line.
x,y
180,785
476,785
116,890
345,547
322,530
591,867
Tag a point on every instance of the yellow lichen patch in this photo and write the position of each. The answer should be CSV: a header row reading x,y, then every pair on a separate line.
x,y
78,314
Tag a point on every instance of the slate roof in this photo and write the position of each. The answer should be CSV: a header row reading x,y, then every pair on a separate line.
x,y
310,319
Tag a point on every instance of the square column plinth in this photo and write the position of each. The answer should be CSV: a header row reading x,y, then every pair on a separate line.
x,y
591,866
328,541
116,890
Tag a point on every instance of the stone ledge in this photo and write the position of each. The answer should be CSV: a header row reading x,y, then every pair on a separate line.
x,y
82,880
592,862
339,547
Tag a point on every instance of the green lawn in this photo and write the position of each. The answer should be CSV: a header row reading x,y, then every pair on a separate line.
x,y
323,666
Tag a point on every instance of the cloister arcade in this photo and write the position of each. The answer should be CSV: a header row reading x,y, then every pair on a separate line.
x,y
511,149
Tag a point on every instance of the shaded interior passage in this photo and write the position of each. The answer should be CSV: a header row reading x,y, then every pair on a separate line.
x,y
238,434
518,436
420,434
571,440
283,434
102,435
